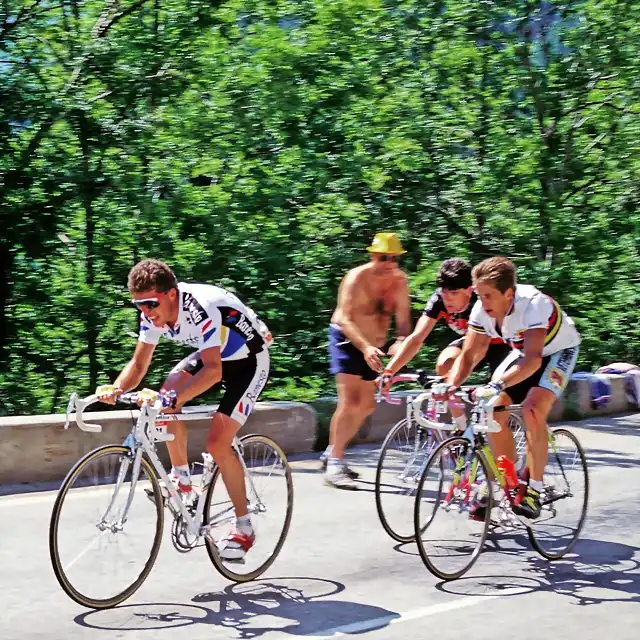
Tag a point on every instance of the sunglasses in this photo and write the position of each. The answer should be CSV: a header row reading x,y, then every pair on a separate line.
x,y
149,303
385,258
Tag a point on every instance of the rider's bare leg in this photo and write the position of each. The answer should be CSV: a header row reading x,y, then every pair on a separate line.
x,y
356,401
502,443
178,446
223,430
535,411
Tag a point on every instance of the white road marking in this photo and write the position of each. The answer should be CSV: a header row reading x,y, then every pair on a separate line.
x,y
414,614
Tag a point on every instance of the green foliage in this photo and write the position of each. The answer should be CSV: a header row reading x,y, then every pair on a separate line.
x,y
260,144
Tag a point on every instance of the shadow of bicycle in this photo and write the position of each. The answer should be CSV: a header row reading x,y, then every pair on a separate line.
x,y
596,572
297,606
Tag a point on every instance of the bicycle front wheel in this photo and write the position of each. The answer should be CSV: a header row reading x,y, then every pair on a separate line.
x,y
105,532
564,497
403,456
269,488
449,540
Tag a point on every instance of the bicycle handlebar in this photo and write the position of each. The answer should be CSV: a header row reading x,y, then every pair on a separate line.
x,y
404,377
77,406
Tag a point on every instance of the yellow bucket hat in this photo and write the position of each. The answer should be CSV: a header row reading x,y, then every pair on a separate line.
x,y
386,243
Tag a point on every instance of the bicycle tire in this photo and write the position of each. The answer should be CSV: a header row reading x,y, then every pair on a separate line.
x,y
65,583
386,525
583,512
420,529
213,552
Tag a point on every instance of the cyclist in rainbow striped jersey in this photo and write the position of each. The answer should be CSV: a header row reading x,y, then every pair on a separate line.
x,y
546,345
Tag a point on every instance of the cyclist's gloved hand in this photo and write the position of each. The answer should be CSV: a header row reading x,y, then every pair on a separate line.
x,y
167,398
148,394
442,391
108,393
489,391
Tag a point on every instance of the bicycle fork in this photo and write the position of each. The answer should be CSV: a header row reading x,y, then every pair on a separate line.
x,y
462,483
118,524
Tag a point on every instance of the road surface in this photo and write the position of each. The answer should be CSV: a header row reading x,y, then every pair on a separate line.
x,y
339,575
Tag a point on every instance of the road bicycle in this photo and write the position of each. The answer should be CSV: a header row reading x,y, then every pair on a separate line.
x,y
406,449
462,470
107,521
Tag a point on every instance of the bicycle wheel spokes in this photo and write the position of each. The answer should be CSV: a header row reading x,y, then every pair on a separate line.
x,y
564,498
402,459
519,434
269,487
449,541
105,532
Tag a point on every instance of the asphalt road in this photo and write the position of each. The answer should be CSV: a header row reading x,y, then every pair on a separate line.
x,y
340,575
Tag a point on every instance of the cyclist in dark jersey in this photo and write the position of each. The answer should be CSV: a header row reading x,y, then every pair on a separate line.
x,y
452,302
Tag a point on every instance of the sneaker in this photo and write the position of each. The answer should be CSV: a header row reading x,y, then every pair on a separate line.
x,y
235,546
354,475
529,506
339,478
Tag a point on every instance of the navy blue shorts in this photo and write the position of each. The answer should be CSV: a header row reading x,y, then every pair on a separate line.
x,y
345,358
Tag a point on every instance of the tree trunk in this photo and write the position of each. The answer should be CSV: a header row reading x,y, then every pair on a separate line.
x,y
87,192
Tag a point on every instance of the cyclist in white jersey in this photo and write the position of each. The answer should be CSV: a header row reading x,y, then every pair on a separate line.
x,y
546,345
231,346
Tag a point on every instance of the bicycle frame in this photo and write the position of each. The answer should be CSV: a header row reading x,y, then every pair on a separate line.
x,y
148,430
484,423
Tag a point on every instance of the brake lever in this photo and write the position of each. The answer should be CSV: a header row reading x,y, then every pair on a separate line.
x,y
70,408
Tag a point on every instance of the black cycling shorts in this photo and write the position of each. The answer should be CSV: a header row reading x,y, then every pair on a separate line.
x,y
243,380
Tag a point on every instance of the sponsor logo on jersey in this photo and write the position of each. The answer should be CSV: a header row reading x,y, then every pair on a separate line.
x,y
195,310
242,325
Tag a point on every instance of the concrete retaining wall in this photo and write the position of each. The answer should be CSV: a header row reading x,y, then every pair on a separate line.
x,y
37,448
575,404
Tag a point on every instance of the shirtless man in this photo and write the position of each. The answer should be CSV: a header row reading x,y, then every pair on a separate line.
x,y
367,298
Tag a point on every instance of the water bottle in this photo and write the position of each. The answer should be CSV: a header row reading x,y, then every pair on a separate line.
x,y
508,470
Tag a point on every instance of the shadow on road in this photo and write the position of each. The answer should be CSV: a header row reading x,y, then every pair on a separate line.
x,y
297,606
606,458
620,425
597,572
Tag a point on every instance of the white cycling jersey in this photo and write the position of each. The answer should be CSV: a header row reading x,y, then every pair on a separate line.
x,y
210,316
531,309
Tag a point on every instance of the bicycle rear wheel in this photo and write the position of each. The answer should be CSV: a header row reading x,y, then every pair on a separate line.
x,y
269,491
105,532
449,541
564,497
403,456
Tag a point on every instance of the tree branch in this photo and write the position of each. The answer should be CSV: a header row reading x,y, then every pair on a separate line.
x,y
593,103
590,182
104,24
453,224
